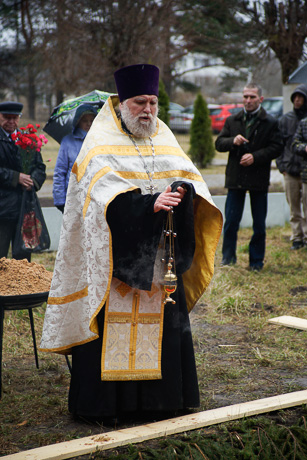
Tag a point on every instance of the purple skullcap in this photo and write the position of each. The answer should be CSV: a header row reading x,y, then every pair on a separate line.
x,y
135,80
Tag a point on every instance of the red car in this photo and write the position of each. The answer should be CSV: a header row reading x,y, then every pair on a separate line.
x,y
218,115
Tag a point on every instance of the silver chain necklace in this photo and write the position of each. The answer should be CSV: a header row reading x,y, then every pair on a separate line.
x,y
151,187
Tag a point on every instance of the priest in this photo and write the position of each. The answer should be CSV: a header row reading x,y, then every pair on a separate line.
x,y
139,223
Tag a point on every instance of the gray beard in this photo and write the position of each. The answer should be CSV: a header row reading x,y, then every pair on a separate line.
x,y
135,126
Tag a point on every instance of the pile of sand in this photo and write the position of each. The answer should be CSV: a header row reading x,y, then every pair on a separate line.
x,y
18,277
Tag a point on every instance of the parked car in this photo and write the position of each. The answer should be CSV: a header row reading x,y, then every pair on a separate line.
x,y
219,115
180,121
274,106
213,108
174,107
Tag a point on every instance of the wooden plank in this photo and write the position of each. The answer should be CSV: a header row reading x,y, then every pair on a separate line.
x,y
290,321
113,439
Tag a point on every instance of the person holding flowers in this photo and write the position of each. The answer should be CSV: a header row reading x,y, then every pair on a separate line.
x,y
21,167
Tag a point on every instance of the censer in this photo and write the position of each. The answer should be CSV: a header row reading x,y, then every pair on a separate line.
x,y
169,280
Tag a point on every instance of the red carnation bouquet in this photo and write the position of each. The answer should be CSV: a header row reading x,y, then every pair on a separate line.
x,y
28,142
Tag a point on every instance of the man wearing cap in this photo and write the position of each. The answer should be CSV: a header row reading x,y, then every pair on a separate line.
x,y
132,351
12,179
289,164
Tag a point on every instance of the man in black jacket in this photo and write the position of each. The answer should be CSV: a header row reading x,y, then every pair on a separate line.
x,y
253,140
290,165
12,179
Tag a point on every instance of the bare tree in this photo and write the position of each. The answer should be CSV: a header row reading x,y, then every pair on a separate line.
x,y
126,32
86,41
28,35
21,57
64,47
283,27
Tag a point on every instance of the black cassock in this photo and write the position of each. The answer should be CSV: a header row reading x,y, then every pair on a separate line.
x,y
136,232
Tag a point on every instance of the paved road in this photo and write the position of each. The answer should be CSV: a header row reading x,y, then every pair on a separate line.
x,y
212,180
218,180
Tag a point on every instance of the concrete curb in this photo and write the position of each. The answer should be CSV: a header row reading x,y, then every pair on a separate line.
x,y
278,215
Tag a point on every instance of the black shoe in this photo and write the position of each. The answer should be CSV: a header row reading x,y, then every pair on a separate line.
x,y
227,262
255,268
95,420
297,245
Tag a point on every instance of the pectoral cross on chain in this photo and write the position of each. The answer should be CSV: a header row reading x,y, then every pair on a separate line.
x,y
151,188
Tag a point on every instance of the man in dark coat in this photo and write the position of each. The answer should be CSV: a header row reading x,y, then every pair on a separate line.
x,y
290,165
253,140
12,179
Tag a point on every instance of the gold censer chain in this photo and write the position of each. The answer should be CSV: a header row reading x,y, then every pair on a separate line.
x,y
169,281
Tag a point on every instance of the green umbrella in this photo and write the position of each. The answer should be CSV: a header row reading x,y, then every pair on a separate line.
x,y
60,121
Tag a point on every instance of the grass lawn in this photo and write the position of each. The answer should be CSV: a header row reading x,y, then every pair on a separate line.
x,y
240,357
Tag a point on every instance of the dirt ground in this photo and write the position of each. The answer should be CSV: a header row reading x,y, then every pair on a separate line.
x,y
240,372
231,370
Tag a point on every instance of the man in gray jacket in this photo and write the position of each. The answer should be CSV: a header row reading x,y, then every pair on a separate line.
x,y
290,164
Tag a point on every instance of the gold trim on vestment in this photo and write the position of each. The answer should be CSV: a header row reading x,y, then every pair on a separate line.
x,y
124,150
67,349
131,175
206,240
133,336
67,317
68,298
130,375
96,177
160,175
142,318
122,352
93,321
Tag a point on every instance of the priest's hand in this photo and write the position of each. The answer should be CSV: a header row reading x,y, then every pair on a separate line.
x,y
168,199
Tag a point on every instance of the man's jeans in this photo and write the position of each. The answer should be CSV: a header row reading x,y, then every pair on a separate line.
x,y
233,214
